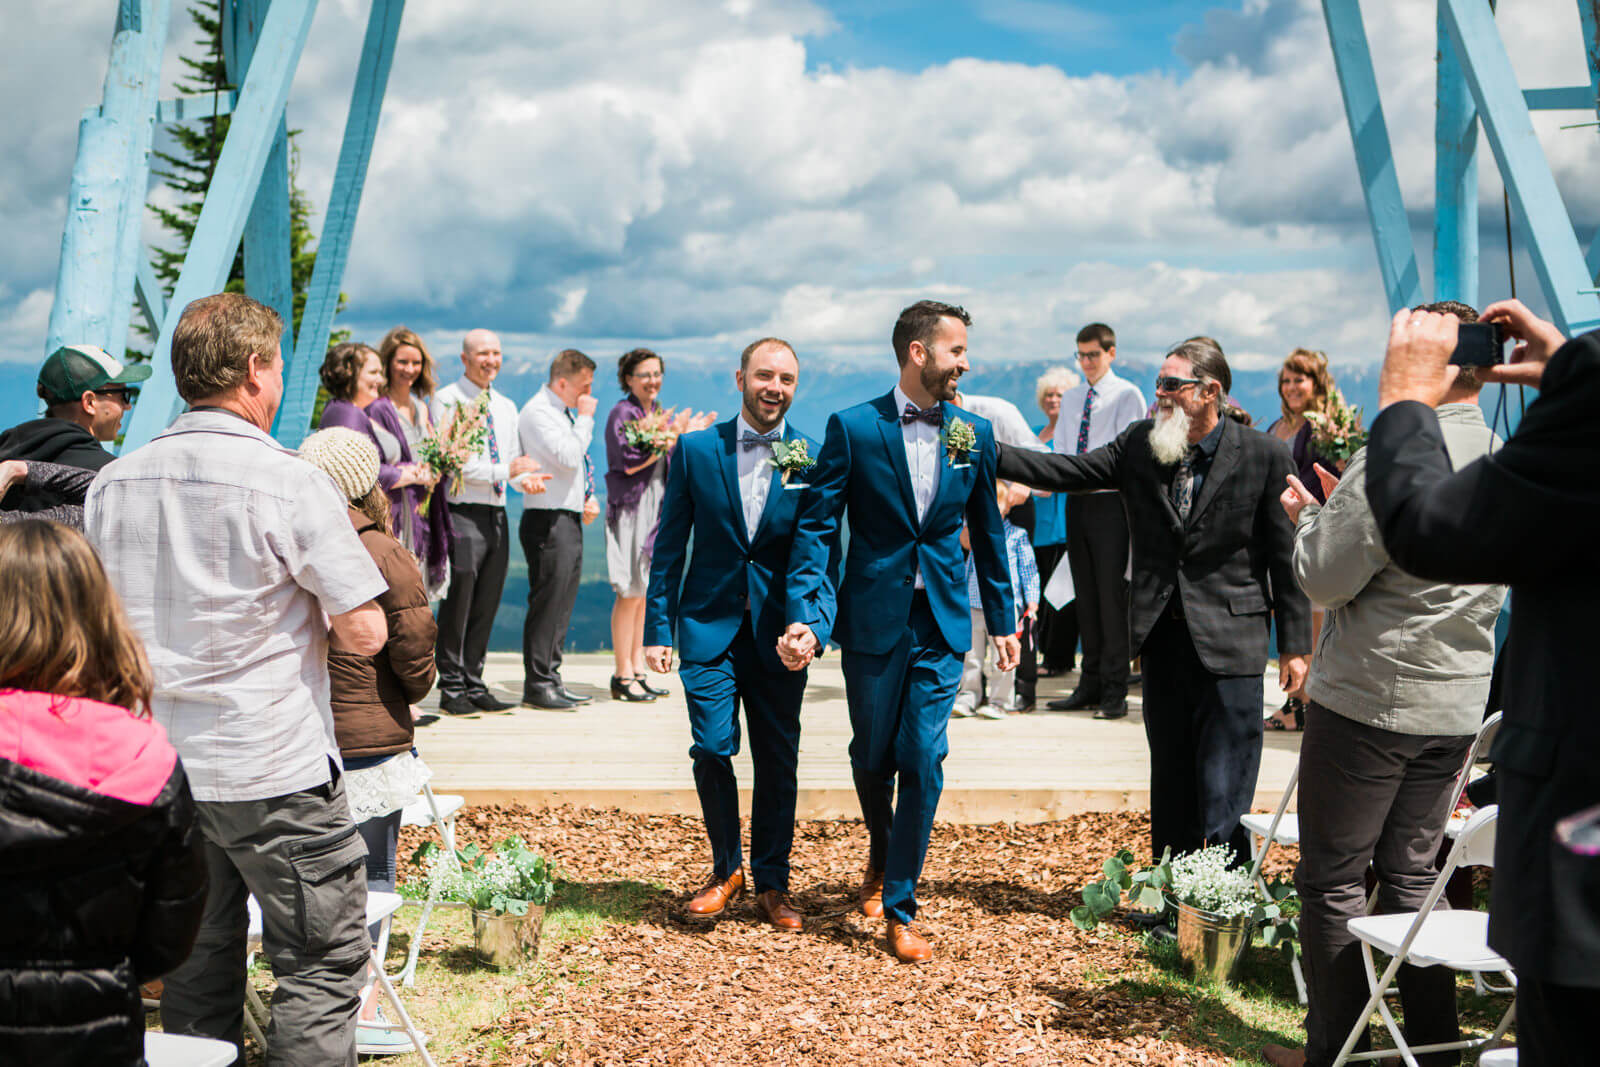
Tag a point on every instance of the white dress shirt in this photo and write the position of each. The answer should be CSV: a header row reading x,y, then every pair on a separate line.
x,y
755,474
1010,428
1117,405
557,440
922,460
228,553
481,475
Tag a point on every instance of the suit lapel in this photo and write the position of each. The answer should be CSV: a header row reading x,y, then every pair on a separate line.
x,y
730,476
895,443
1222,465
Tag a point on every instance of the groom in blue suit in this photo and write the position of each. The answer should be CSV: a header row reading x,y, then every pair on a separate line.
x,y
738,487
909,469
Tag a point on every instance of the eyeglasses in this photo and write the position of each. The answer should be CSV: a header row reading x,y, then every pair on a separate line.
x,y
1170,384
125,394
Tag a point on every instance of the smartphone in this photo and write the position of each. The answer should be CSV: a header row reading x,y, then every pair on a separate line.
x,y
1479,344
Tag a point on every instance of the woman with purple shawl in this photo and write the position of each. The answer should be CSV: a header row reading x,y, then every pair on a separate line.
x,y
353,374
635,484
402,410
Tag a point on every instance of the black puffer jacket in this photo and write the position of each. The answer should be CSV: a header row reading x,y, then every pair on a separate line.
x,y
102,880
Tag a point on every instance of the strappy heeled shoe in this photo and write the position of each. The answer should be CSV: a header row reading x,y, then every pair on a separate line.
x,y
623,689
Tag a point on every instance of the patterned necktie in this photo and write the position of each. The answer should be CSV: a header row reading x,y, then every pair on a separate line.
x,y
1083,427
588,467
757,440
494,451
933,415
1183,486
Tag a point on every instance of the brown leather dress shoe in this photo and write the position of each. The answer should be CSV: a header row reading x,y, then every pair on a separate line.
x,y
907,945
772,906
871,894
714,898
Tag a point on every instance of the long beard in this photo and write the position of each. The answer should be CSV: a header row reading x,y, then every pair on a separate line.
x,y
1169,440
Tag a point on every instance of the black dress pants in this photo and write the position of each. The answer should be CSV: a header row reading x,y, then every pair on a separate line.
x,y
552,541
479,555
1097,547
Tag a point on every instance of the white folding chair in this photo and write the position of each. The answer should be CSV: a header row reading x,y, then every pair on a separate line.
x,y
1475,755
424,810
1498,1057
182,1050
1281,827
1458,940
380,909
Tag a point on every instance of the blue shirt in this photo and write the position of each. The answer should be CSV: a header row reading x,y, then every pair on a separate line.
x,y
1020,562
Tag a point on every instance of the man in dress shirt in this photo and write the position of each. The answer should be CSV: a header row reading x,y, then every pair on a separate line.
x,y
1092,415
482,545
555,428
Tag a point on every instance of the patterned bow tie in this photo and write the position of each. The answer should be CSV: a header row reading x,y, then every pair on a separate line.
x,y
757,440
933,415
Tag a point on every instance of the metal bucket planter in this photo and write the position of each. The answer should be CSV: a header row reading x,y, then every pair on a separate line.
x,y
507,941
1210,943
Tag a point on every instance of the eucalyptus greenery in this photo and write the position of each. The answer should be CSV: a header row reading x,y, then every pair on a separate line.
x,y
508,880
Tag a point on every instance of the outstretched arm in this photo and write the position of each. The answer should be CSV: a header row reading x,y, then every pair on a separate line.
x,y
1096,469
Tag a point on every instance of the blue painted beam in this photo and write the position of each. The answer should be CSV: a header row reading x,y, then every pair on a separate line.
x,y
333,249
1358,85
106,196
1551,242
152,300
266,231
251,133
193,108
1588,20
1566,98
1455,182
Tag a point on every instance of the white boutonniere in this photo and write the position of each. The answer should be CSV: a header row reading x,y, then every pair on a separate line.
x,y
792,459
959,440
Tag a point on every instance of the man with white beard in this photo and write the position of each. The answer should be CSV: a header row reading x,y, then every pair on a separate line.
x,y
1212,568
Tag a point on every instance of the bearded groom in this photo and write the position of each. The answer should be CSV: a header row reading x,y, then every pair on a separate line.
x,y
737,487
1212,555
908,468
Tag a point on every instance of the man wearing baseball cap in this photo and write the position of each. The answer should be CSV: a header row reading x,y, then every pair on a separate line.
x,y
86,392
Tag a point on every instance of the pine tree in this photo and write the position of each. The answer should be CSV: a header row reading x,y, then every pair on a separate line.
x,y
189,168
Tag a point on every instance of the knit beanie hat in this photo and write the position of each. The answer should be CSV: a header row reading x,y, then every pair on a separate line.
x,y
350,457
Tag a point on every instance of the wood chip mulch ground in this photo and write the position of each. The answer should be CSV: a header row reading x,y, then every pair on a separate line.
x,y
1012,981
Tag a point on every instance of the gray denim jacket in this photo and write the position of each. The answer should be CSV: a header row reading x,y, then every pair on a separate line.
x,y
1396,652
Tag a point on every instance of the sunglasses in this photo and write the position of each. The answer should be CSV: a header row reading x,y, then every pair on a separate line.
x,y
123,393
1170,384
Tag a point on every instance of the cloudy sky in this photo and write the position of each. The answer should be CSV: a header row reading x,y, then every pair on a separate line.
x,y
697,173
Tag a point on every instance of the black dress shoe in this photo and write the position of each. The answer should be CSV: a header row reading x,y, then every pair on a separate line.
x,y
427,719
630,690
458,705
490,702
547,698
1112,709
1078,700
648,688
576,698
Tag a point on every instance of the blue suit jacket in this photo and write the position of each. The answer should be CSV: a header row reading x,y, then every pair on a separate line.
x,y
862,470
729,571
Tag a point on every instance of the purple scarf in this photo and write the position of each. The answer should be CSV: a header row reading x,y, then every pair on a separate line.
x,y
432,531
623,490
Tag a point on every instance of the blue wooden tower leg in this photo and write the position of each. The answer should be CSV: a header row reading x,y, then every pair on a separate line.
x,y
333,251
1552,244
251,133
105,201
266,231
1455,182
1358,85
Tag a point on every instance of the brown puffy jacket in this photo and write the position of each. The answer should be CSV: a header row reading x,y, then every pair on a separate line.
x,y
372,695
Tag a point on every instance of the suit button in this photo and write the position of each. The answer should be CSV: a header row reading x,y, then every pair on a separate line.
x,y
908,580
1166,592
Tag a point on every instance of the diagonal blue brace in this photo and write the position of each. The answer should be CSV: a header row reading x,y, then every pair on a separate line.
x,y
100,247
1455,182
1552,244
1591,51
266,232
333,251
251,133
1358,85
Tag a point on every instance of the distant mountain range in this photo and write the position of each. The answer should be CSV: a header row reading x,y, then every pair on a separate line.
x,y
824,388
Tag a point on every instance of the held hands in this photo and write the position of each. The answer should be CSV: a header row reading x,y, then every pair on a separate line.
x,y
1007,652
1536,340
659,658
798,646
591,510
1292,672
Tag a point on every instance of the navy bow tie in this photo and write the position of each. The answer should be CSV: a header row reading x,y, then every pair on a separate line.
x,y
758,440
933,416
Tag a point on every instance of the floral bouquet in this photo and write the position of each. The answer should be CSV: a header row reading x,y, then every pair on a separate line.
x,y
657,431
448,448
792,458
1337,434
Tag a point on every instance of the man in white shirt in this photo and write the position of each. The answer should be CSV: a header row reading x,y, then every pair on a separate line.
x,y
555,429
1093,414
481,548
229,554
